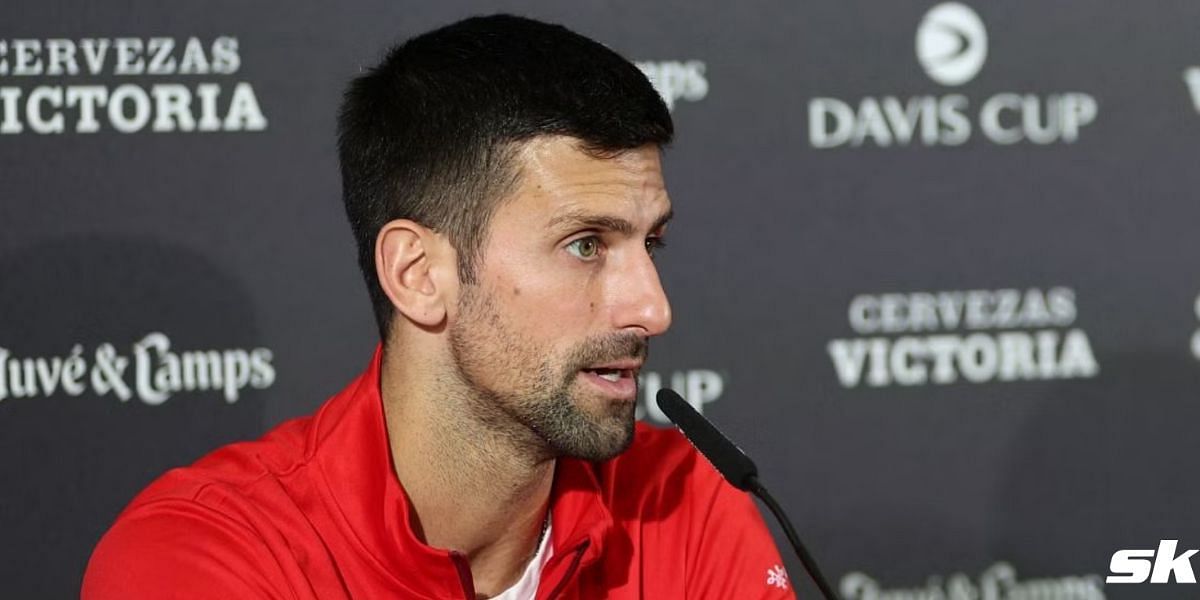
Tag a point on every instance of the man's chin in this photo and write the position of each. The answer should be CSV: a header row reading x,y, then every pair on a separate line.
x,y
601,449
598,437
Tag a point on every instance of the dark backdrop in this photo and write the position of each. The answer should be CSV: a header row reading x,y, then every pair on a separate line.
x,y
946,297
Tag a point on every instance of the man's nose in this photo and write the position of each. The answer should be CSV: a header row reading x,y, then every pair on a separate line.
x,y
640,301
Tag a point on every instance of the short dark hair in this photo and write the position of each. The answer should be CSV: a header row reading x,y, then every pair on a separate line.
x,y
430,134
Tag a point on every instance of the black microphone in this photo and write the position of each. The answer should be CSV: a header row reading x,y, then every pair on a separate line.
x,y
737,469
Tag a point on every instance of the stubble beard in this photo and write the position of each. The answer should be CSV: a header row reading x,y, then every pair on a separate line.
x,y
540,404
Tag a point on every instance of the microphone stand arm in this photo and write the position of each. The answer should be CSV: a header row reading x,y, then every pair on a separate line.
x,y
806,559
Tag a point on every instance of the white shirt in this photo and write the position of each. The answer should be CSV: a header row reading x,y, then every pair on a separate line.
x,y
526,587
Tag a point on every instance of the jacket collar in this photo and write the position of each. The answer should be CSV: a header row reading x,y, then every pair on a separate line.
x,y
349,444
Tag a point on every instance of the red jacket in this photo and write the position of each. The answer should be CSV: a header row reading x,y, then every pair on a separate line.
x,y
314,510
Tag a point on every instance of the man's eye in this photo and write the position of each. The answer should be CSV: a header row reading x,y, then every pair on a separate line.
x,y
585,248
654,244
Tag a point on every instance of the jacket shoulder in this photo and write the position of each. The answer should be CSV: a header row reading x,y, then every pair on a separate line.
x,y
205,527
234,468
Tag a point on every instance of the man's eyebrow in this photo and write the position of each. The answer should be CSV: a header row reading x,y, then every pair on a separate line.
x,y
607,222
663,220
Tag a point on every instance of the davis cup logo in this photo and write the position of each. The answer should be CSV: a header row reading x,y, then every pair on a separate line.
x,y
951,43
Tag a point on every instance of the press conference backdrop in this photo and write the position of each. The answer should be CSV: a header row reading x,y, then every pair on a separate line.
x,y
935,265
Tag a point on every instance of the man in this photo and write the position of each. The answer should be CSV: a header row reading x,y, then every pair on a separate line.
x,y
503,182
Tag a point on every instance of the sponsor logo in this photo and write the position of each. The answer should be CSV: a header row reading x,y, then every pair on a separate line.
x,y
156,84
951,43
1196,336
698,386
1191,77
152,372
998,582
676,80
951,47
1157,566
976,336
777,577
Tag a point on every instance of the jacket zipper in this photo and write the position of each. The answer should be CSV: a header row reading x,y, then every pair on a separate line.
x,y
562,583
464,575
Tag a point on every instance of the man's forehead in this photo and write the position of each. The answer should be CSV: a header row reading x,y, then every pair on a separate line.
x,y
561,180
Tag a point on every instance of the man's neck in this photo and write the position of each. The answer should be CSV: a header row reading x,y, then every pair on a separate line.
x,y
474,488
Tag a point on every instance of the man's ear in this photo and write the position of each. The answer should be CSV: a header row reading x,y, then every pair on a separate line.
x,y
411,263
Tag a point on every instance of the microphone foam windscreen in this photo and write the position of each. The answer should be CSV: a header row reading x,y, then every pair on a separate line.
x,y
725,456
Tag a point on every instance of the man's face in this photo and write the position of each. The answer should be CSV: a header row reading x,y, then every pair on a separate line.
x,y
553,334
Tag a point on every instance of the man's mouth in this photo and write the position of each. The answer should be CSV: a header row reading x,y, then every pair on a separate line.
x,y
617,379
611,374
